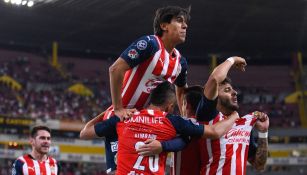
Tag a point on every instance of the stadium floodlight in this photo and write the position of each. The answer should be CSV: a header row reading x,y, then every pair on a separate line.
x,y
24,2
18,2
30,3
7,1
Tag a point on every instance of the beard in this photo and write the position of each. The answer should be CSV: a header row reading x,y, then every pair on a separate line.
x,y
228,105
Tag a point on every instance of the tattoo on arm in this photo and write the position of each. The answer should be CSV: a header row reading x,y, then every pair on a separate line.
x,y
259,160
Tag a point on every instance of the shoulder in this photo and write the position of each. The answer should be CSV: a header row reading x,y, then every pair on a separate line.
x,y
148,41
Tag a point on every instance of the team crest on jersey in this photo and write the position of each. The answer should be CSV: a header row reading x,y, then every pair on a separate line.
x,y
141,45
132,53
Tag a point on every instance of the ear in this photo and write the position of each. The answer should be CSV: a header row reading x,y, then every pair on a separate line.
x,y
164,26
31,140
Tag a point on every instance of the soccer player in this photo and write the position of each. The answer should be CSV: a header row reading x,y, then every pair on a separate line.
x,y
38,161
147,62
229,154
207,111
150,60
152,123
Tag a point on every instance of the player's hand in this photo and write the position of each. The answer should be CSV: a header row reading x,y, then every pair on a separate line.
x,y
123,113
151,147
239,63
263,122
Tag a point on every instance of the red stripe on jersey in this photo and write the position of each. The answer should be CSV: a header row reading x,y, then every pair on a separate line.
x,y
142,99
30,165
171,65
52,165
228,155
245,158
135,82
126,78
253,121
159,66
42,167
238,160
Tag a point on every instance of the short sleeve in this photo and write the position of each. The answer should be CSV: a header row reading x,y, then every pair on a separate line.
x,y
140,50
206,110
181,80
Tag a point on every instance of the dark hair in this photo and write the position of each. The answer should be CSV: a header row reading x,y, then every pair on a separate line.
x,y
162,94
193,95
227,80
166,14
35,129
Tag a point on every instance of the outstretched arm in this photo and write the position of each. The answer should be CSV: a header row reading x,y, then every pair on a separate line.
x,y
105,128
219,74
220,128
92,122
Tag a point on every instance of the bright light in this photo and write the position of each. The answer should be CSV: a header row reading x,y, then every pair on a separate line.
x,y
6,1
23,2
18,2
30,3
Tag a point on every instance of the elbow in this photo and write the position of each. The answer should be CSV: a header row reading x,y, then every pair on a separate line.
x,y
112,69
83,135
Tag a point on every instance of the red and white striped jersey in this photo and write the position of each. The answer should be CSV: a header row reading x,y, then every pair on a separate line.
x,y
228,155
27,165
150,65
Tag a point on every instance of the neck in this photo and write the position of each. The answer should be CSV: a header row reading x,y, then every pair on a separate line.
x,y
168,44
153,107
224,110
38,156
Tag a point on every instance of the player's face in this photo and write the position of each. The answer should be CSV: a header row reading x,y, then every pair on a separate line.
x,y
228,97
176,30
41,142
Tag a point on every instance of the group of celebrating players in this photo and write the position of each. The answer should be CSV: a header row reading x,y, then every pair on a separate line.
x,y
208,137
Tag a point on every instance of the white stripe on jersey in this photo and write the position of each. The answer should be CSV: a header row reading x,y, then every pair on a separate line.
x,y
141,86
233,168
48,168
24,166
208,141
129,80
223,153
36,166
176,66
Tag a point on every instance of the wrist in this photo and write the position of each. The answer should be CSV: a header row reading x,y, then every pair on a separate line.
x,y
263,135
231,60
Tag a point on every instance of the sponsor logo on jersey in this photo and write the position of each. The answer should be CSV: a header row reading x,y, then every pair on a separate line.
x,y
141,45
114,146
133,54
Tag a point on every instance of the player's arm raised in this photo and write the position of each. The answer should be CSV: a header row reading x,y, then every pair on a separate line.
x,y
220,73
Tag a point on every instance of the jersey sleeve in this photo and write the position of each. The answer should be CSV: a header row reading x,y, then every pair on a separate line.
x,y
186,126
181,80
107,128
252,146
206,110
140,50
17,167
175,144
